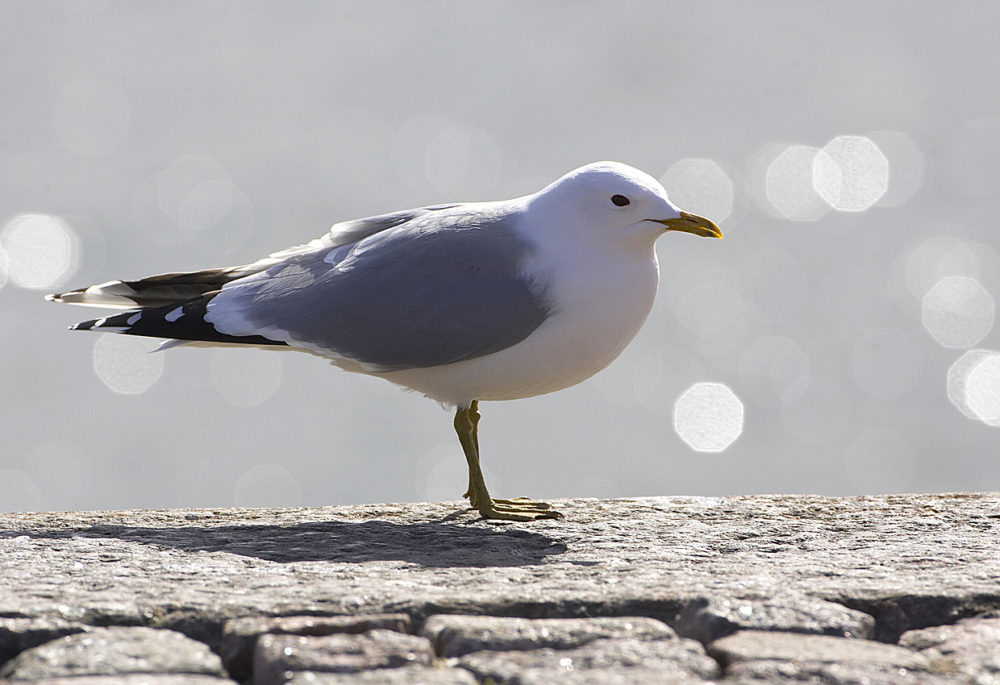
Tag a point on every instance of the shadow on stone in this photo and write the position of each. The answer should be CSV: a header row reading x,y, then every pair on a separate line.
x,y
434,545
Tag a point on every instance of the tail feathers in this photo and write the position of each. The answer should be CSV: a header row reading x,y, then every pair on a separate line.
x,y
177,321
154,291
171,288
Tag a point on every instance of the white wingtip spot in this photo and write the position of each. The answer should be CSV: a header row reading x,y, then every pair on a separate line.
x,y
169,344
97,289
132,319
174,315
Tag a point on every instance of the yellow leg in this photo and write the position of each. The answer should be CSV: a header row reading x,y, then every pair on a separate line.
x,y
467,427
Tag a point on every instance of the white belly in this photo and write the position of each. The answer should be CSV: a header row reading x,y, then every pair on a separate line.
x,y
598,310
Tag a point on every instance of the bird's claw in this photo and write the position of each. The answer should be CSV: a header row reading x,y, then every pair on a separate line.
x,y
519,509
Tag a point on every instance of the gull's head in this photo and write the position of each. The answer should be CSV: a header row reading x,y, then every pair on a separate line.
x,y
613,201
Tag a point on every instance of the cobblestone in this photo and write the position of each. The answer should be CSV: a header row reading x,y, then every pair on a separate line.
x,y
455,636
277,657
971,647
771,588
709,618
239,636
114,652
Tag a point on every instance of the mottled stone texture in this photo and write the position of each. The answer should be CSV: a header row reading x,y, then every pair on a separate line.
x,y
709,618
19,634
239,638
455,636
970,647
411,675
277,657
673,660
114,651
758,583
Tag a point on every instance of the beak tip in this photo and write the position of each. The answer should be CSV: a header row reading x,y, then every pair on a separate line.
x,y
692,223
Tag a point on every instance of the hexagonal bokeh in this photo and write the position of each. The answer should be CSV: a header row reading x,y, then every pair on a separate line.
x,y
958,312
852,174
789,183
124,363
700,186
982,389
708,417
40,251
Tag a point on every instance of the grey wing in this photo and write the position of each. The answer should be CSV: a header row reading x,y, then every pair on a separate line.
x,y
177,288
434,291
344,233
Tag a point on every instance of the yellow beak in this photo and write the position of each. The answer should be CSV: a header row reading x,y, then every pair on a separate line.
x,y
692,223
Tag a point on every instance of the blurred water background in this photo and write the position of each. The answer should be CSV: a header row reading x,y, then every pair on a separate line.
x,y
841,340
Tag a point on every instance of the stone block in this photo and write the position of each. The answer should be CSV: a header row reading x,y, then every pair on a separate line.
x,y
599,661
408,675
455,635
970,647
114,652
278,657
709,618
239,636
19,634
828,673
762,645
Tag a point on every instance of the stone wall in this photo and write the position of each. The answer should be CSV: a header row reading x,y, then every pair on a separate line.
x,y
673,589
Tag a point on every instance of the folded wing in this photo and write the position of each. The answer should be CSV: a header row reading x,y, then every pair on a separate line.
x,y
438,289
411,289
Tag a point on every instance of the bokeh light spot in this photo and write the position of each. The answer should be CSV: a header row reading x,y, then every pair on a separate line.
x,y
851,174
91,117
880,461
958,312
267,485
40,251
789,183
936,257
246,377
124,363
958,376
906,166
708,417
982,389
700,186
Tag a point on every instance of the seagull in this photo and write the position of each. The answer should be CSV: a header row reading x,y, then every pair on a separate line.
x,y
469,302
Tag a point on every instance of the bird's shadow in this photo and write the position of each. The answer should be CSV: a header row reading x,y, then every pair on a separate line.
x,y
431,544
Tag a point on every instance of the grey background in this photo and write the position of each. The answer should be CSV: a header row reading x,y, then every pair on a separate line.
x,y
318,112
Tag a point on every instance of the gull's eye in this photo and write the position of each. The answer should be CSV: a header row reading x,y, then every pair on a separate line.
x,y
620,200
